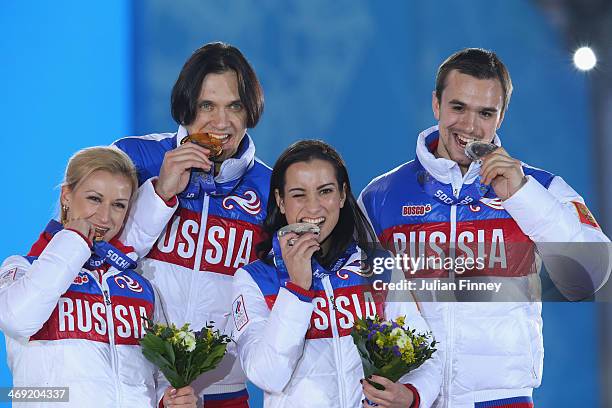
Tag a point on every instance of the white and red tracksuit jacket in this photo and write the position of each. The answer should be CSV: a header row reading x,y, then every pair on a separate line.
x,y
493,351
208,239
296,344
68,326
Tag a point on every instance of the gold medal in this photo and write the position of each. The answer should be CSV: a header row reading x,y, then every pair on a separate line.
x,y
207,141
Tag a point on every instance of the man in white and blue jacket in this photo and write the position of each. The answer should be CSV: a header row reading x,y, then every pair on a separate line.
x,y
502,213
219,216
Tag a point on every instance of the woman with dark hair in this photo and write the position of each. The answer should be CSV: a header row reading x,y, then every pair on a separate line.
x,y
294,308
351,224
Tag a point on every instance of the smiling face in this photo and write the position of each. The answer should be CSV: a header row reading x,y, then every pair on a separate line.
x,y
469,109
220,112
311,194
103,199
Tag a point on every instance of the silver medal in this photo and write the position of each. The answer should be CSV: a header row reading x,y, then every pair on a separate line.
x,y
298,228
476,150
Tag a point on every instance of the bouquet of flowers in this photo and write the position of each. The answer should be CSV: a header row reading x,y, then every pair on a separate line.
x,y
389,349
181,354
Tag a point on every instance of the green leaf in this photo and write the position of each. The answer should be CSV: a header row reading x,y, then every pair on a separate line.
x,y
202,363
169,352
173,377
156,358
394,370
154,343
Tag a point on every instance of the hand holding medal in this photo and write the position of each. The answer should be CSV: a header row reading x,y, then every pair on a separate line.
x,y
504,173
176,172
296,244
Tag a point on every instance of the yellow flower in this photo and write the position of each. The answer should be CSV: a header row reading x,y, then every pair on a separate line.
x,y
408,356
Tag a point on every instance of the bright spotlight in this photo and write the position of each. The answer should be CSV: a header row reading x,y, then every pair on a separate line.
x,y
584,58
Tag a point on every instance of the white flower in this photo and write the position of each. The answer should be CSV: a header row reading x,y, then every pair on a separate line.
x,y
403,342
189,341
397,332
186,339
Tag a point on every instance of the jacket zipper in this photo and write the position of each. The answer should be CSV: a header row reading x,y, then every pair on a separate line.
x,y
451,306
111,336
198,254
329,292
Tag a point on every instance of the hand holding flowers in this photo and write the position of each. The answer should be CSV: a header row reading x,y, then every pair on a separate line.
x,y
394,394
389,350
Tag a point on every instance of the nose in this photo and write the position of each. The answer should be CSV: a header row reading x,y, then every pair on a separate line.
x,y
220,119
468,122
314,204
104,213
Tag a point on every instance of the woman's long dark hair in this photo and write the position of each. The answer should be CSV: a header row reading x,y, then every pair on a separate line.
x,y
352,224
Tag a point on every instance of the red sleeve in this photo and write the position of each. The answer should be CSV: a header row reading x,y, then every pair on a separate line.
x,y
82,236
171,202
301,293
417,400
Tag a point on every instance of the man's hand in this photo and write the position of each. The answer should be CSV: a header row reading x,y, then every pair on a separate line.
x,y
176,168
502,172
297,256
182,397
395,395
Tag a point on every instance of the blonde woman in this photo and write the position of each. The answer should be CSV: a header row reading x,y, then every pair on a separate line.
x,y
72,310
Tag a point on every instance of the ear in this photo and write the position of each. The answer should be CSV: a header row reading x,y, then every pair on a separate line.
x,y
65,196
501,119
279,201
343,195
435,105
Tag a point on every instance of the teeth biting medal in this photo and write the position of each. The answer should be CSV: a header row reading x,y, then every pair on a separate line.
x,y
298,228
476,150
99,233
206,140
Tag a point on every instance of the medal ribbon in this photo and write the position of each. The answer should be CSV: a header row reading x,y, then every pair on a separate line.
x,y
103,252
200,181
469,193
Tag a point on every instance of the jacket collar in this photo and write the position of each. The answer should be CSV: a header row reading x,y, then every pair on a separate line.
x,y
53,227
443,170
234,167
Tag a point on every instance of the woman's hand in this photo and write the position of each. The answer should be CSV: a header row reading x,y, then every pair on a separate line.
x,y
176,168
297,250
83,226
182,397
395,395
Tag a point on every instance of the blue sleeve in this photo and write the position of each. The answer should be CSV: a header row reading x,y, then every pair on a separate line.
x,y
147,154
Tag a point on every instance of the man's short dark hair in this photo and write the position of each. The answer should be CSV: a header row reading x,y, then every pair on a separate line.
x,y
215,58
479,63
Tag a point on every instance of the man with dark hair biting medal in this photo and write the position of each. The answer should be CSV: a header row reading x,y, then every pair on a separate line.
x,y
216,97
492,352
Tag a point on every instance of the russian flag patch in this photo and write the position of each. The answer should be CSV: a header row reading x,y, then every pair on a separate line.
x,y
585,215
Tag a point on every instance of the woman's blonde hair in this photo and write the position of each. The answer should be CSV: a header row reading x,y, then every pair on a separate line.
x,y
89,160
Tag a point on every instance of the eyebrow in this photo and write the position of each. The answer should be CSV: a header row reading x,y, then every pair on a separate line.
x,y
326,185
213,103
102,195
296,189
318,188
484,108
